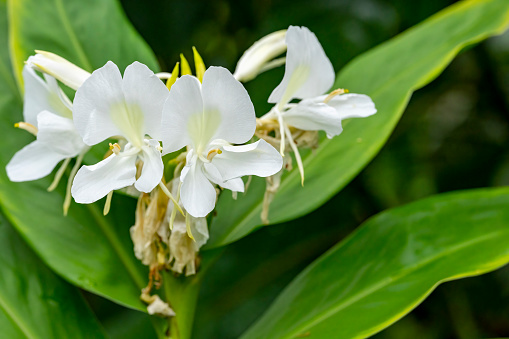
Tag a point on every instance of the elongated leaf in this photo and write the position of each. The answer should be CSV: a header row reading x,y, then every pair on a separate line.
x,y
389,74
86,248
390,264
88,33
34,302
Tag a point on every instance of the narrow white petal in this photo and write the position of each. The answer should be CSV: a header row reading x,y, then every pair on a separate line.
x,y
252,62
314,116
308,71
59,134
34,161
40,97
182,112
228,109
258,158
58,67
352,105
197,193
99,105
145,93
91,183
152,170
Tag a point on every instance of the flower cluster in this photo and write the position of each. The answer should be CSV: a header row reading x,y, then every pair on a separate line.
x,y
205,123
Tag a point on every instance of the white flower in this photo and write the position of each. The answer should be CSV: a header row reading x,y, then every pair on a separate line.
x,y
47,113
58,67
208,118
308,75
106,106
258,58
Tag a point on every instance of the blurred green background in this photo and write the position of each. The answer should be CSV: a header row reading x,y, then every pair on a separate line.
x,y
453,135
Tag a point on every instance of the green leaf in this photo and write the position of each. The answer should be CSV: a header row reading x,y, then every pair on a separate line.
x,y
34,302
391,264
388,74
89,250
87,33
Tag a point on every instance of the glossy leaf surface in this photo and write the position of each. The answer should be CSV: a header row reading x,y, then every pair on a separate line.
x,y
390,264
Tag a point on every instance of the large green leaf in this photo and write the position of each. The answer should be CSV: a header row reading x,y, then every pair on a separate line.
x,y
86,248
389,74
34,302
88,33
390,264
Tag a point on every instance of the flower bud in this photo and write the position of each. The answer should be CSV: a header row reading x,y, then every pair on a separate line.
x,y
59,68
259,57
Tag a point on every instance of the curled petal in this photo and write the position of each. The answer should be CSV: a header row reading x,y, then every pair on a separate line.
x,y
94,182
351,105
312,116
181,114
197,193
143,90
235,185
256,58
59,134
41,97
308,71
34,161
58,67
258,158
152,170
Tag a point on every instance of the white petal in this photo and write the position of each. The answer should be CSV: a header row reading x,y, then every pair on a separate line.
x,y
94,182
99,105
58,67
143,90
34,161
181,113
258,158
227,107
59,134
312,116
213,174
197,193
308,71
40,97
153,167
352,105
257,56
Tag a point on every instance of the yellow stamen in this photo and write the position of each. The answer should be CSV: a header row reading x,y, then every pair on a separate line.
x,y
199,65
168,193
185,68
334,93
212,153
174,76
174,210
67,200
297,154
107,204
188,226
59,175
115,148
27,127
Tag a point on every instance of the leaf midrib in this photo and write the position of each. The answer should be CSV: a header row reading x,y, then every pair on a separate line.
x,y
16,319
72,35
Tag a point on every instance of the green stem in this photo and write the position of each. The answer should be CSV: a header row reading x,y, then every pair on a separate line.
x,y
182,294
